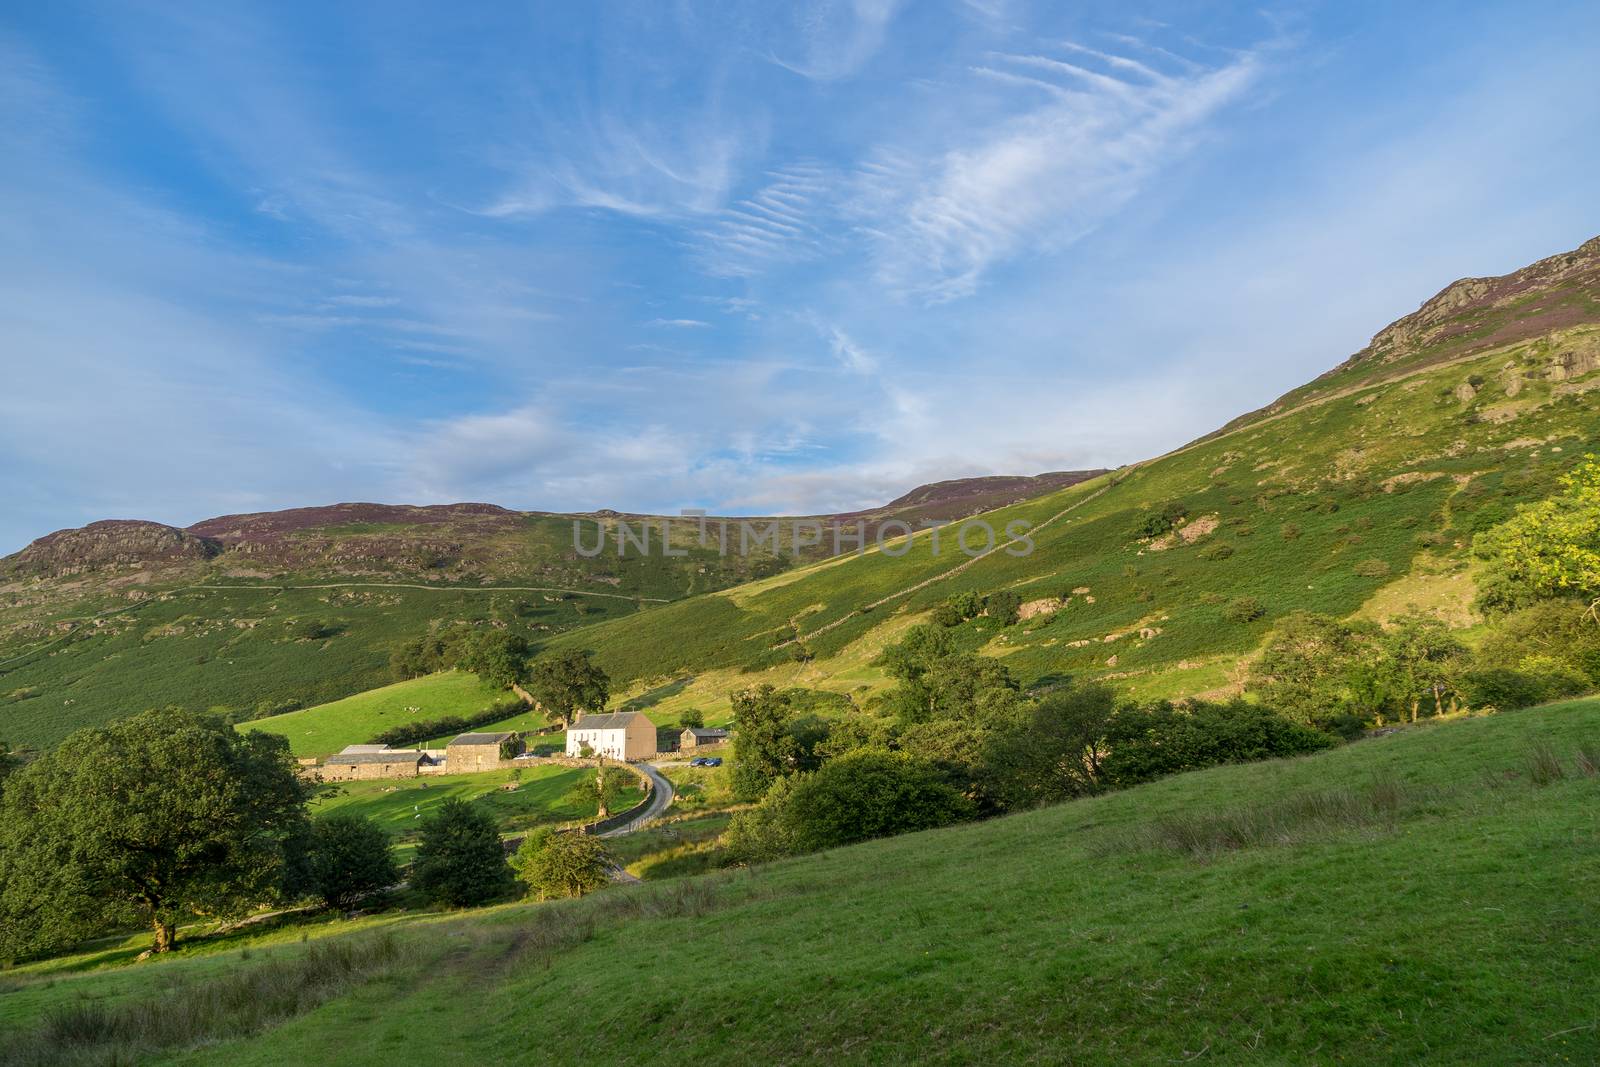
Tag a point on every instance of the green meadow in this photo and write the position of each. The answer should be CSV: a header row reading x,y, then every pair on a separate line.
x,y
1425,896
518,800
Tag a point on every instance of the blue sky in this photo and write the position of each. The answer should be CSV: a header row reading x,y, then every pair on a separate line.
x,y
750,257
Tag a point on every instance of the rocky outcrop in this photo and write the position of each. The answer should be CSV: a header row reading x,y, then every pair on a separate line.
x,y
110,543
1531,301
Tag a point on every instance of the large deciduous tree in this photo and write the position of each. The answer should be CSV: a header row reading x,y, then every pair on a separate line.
x,y
556,864
567,683
161,816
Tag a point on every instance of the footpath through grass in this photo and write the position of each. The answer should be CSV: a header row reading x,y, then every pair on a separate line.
x,y
1449,918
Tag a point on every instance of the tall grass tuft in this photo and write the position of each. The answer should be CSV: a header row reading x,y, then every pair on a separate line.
x,y
235,1004
1281,822
1589,760
1544,764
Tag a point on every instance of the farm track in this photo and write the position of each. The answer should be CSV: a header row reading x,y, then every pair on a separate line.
x,y
952,572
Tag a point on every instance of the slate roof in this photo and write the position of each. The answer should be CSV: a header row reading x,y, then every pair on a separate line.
x,y
706,733
399,755
479,739
617,720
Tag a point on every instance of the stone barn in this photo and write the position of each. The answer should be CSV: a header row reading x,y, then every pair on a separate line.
x,y
699,737
364,762
470,753
623,735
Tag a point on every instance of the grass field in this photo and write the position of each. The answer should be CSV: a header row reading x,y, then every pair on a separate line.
x,y
357,719
1424,897
542,795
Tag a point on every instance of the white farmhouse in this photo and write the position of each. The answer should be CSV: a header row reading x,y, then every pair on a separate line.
x,y
623,735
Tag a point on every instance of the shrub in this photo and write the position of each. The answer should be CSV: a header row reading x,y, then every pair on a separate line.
x,y
1147,743
1290,532
1536,682
1003,606
1160,521
1218,552
1560,630
562,864
348,858
1372,568
858,796
460,861
692,718
1243,610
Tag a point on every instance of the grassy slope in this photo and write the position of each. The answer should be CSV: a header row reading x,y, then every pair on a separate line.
x,y
357,719
1308,515
236,650
1462,932
543,795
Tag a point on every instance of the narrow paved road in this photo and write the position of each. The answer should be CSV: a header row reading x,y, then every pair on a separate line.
x,y
660,799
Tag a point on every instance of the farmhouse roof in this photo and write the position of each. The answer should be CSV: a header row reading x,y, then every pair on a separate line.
x,y
479,739
617,720
350,750
400,755
705,733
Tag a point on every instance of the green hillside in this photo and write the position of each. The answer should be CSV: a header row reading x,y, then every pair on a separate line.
x,y
1427,896
355,720
1365,499
120,616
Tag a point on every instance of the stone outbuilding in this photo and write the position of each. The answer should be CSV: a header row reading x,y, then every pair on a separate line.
x,y
623,735
364,762
699,737
469,753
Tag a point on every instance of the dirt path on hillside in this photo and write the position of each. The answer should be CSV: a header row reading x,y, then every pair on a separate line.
x,y
952,572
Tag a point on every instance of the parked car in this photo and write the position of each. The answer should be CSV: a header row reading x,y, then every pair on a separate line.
x,y
699,761
712,761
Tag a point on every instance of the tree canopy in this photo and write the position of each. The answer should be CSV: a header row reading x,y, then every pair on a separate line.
x,y
567,683
460,860
160,816
1550,548
348,857
555,864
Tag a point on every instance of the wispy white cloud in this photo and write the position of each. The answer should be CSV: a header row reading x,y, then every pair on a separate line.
x,y
826,40
1041,177
781,222
680,324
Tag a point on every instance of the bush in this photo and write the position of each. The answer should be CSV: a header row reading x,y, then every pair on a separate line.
x,y
1508,688
1372,568
348,858
460,861
1244,609
856,797
1003,606
692,718
1147,743
1160,521
1554,629
562,864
